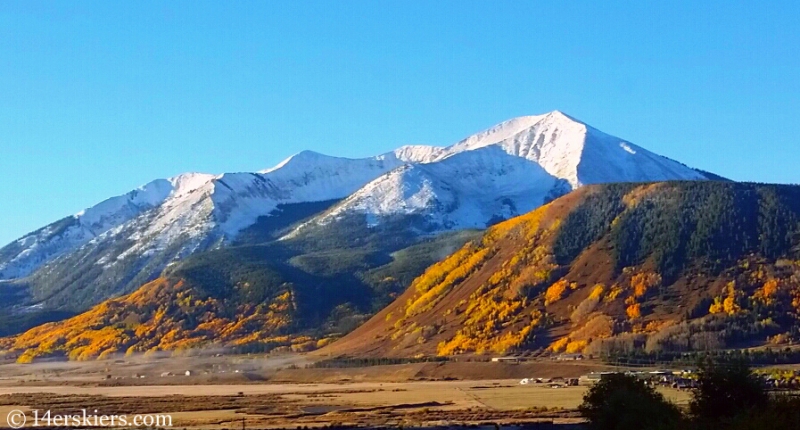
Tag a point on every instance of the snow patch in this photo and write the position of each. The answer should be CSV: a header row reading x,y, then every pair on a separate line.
x,y
627,148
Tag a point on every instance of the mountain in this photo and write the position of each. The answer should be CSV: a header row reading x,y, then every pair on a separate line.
x,y
571,150
251,298
466,190
568,149
483,178
125,241
317,211
658,268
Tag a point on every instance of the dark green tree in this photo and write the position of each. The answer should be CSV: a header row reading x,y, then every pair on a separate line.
x,y
726,392
623,402
783,412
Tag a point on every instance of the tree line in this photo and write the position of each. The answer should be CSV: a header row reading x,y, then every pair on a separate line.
x,y
727,397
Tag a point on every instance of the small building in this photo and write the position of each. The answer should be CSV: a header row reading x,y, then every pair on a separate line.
x,y
568,357
592,378
508,359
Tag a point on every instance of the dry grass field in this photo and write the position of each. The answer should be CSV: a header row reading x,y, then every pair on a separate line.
x,y
228,392
290,405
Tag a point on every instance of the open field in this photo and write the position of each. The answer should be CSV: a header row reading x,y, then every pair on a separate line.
x,y
278,405
277,392
259,369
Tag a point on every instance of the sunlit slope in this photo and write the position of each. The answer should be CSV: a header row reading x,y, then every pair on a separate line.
x,y
662,267
243,299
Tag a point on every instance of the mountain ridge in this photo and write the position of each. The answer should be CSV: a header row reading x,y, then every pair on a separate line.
x,y
116,246
666,267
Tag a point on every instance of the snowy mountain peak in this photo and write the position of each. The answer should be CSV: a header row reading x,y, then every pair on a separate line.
x,y
469,189
302,158
419,153
569,149
144,197
502,171
188,182
559,114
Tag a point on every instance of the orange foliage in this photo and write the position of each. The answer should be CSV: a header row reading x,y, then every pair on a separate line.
x,y
576,346
634,311
555,292
597,292
767,293
559,345
641,282
153,318
728,304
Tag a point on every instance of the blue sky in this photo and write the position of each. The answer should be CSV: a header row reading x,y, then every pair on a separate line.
x,y
97,98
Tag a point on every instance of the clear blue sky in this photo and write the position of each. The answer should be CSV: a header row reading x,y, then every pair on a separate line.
x,y
97,98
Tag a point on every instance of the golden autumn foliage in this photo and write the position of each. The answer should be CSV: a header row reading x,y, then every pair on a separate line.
x,y
576,346
770,288
559,345
634,311
497,317
768,292
613,293
597,292
488,326
155,318
729,303
555,292
447,273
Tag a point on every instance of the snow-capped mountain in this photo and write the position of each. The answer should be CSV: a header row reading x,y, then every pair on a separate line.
x,y
21,257
466,190
569,149
123,241
516,162
506,170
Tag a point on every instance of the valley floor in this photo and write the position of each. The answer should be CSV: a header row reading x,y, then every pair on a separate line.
x,y
229,392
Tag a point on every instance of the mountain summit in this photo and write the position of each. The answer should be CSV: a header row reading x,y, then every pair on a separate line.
x,y
506,170
571,150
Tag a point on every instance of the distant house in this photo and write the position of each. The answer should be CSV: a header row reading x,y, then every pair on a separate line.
x,y
506,359
568,357
592,378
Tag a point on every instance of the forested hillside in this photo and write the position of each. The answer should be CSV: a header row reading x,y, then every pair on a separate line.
x,y
243,299
617,268
660,267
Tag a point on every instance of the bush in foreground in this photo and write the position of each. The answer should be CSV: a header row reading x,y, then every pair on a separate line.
x,y
623,402
728,397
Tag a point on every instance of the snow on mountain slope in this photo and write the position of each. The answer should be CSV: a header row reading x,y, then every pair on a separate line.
x,y
459,186
171,218
465,190
571,150
419,153
24,255
220,208
310,176
505,170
